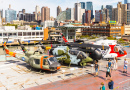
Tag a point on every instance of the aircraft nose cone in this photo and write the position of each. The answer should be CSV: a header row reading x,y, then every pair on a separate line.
x,y
125,52
88,59
55,65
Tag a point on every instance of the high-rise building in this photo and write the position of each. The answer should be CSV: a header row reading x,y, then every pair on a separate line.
x,y
124,13
84,18
38,16
115,14
102,7
98,15
119,12
82,5
45,14
128,17
10,14
77,11
126,1
81,17
61,16
107,14
1,13
88,16
26,16
128,13
128,6
59,10
1,16
23,10
70,14
37,10
89,6
109,7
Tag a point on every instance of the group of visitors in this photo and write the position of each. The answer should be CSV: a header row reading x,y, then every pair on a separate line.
x,y
109,67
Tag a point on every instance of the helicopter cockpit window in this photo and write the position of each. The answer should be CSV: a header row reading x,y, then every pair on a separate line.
x,y
116,49
52,60
81,55
45,62
37,61
119,49
73,52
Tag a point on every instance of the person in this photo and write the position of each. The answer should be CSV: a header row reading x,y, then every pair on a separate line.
x,y
125,66
108,72
114,64
96,68
102,86
109,64
111,84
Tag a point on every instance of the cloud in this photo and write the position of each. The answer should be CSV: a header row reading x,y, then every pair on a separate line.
x,y
30,5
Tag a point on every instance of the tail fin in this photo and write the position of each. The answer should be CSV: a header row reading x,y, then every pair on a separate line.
x,y
22,46
64,38
7,50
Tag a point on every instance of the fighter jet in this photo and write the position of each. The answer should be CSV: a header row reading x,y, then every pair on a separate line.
x,y
35,59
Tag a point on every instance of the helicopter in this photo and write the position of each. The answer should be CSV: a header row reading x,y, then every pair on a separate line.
x,y
70,56
92,50
36,59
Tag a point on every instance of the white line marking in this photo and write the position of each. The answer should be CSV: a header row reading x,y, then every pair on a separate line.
x,y
127,88
123,81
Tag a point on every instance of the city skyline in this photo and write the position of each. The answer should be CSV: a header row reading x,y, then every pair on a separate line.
x,y
31,4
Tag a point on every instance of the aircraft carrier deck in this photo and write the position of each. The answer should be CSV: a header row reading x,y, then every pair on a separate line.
x,y
17,75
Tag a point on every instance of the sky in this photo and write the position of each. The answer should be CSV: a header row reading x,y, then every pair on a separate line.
x,y
29,5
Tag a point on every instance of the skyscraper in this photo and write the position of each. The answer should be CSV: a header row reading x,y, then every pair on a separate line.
x,y
45,14
109,7
98,15
58,10
77,11
126,1
124,14
70,14
120,13
82,5
1,13
82,15
37,10
10,14
115,14
102,7
89,6
128,6
88,16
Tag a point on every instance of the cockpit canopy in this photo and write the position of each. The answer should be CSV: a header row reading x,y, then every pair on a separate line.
x,y
52,60
119,49
79,54
73,52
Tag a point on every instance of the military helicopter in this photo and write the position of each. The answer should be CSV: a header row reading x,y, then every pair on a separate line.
x,y
36,59
70,56
93,50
